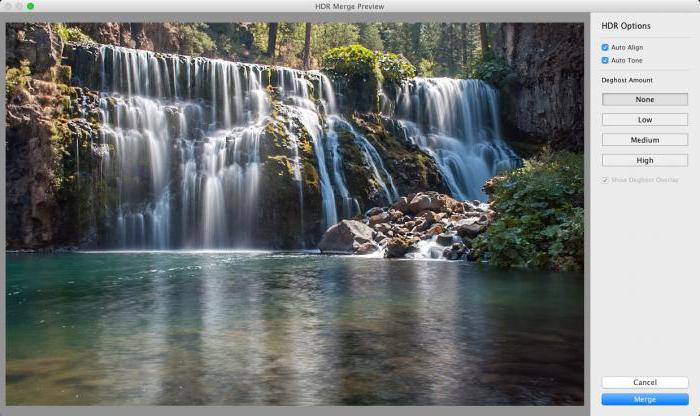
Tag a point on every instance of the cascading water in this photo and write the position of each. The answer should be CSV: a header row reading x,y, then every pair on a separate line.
x,y
457,123
182,126
184,147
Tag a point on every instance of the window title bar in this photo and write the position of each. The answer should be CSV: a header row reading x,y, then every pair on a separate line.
x,y
360,7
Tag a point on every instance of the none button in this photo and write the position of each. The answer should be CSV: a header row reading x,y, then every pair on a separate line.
x,y
645,99
645,399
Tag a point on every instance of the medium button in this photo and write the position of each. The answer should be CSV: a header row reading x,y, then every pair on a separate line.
x,y
645,139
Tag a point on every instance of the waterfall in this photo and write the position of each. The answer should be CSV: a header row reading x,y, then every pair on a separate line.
x,y
457,123
187,127
184,141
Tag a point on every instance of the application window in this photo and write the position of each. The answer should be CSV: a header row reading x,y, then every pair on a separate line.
x,y
351,207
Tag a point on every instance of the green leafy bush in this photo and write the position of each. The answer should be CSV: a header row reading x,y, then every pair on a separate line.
x,y
352,60
17,77
491,69
72,34
426,68
358,61
395,68
539,220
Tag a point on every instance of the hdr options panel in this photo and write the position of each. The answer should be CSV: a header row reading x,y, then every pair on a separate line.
x,y
644,214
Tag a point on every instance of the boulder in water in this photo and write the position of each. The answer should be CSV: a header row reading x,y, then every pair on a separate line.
x,y
470,227
366,248
398,247
445,239
347,236
454,252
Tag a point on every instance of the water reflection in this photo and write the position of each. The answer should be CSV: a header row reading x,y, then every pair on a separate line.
x,y
265,328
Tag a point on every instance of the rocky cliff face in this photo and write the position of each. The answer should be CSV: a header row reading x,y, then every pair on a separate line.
x,y
545,103
169,37
37,44
161,37
37,136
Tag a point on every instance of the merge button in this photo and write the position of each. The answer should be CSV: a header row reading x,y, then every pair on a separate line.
x,y
645,399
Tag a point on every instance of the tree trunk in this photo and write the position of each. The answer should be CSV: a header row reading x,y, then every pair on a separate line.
x,y
483,34
307,47
465,41
451,49
271,39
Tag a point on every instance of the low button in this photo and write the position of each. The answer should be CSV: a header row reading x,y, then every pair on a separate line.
x,y
645,119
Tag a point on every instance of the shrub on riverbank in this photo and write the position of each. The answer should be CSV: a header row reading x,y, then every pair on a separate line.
x,y
539,215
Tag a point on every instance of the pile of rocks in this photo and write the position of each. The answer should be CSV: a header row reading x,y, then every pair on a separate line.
x,y
424,224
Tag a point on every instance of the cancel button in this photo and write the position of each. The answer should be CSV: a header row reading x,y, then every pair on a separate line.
x,y
645,382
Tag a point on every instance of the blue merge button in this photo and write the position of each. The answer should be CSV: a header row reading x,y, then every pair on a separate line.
x,y
645,399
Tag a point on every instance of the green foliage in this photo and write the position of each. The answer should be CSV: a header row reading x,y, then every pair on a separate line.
x,y
358,61
353,60
332,35
72,34
434,49
539,220
369,36
395,68
234,41
17,78
491,69
194,39
425,68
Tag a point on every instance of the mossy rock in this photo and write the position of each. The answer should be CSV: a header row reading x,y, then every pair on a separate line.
x,y
288,219
412,169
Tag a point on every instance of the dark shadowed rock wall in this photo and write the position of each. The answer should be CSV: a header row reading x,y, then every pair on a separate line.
x,y
545,102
